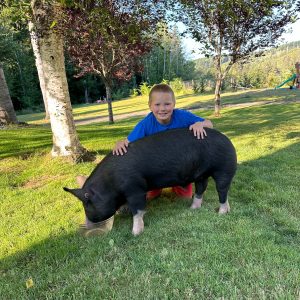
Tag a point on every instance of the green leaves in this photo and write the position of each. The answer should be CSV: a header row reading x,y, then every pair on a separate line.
x,y
54,23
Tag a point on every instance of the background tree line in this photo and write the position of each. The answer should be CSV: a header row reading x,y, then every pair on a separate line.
x,y
166,61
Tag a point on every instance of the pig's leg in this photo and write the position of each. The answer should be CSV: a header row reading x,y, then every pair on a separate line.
x,y
223,184
200,187
137,205
138,223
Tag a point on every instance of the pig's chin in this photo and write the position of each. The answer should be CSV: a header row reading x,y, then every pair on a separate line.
x,y
88,223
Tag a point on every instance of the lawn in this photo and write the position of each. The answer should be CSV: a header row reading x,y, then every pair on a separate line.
x,y
139,105
251,253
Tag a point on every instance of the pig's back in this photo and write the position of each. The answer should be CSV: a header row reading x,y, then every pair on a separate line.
x,y
173,157
175,148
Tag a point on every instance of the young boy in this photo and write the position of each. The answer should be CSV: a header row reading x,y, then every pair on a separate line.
x,y
164,116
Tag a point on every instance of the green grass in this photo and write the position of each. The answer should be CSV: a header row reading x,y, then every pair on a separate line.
x,y
140,104
252,253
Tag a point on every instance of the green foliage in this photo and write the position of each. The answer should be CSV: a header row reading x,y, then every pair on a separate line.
x,y
134,93
177,85
199,85
270,70
119,94
267,71
145,89
165,81
167,60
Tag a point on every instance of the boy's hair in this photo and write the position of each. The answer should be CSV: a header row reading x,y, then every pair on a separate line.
x,y
163,88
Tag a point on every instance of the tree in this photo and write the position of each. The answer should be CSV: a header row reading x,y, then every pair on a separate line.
x,y
39,66
167,60
235,29
7,112
50,43
108,38
18,61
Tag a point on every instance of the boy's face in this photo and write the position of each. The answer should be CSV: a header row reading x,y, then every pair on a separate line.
x,y
162,106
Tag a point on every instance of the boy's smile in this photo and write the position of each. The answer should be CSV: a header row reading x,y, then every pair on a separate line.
x,y
162,105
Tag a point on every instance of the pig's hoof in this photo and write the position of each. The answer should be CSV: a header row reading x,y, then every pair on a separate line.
x,y
224,208
137,232
197,202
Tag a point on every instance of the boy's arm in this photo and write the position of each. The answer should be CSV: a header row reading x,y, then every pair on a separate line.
x,y
198,128
121,147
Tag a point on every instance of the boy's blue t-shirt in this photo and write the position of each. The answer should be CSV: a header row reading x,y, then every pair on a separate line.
x,y
149,125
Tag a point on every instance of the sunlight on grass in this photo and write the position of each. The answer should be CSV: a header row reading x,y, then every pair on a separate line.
x,y
140,104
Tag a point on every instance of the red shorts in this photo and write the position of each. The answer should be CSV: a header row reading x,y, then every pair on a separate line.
x,y
186,192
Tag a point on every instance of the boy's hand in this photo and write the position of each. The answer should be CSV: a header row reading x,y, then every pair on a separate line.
x,y
121,147
198,128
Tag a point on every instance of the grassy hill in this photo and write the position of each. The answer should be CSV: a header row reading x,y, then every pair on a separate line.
x,y
267,71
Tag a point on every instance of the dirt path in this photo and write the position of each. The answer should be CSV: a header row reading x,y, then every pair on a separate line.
x,y
190,108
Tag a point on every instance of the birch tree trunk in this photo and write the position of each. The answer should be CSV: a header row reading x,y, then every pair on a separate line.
x,y
39,66
50,44
7,112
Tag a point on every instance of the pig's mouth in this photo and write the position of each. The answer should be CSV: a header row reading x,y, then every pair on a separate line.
x,y
105,225
89,224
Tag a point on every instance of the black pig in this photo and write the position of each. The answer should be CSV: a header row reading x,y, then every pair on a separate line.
x,y
166,159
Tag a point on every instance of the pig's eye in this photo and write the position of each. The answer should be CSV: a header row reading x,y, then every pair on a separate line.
x,y
86,195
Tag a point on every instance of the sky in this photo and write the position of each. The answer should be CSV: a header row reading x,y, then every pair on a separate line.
x,y
190,45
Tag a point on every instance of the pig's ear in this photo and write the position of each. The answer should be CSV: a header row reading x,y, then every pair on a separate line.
x,y
81,180
79,193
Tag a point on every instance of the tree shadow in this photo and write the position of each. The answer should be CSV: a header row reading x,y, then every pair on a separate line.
x,y
240,121
24,142
248,97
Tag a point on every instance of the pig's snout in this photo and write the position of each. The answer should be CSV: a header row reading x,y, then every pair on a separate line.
x,y
138,223
88,223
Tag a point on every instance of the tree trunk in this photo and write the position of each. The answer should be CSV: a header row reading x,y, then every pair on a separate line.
x,y
86,92
7,112
50,44
165,57
218,83
218,97
109,104
21,75
39,66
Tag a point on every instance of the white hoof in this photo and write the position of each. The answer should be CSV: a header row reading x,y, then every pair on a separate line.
x,y
138,223
137,231
197,202
224,208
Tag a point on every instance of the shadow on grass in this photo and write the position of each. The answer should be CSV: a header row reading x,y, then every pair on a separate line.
x,y
25,141
285,95
245,97
238,122
235,122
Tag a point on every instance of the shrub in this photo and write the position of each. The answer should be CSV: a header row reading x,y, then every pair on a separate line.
x,y
134,93
145,89
177,85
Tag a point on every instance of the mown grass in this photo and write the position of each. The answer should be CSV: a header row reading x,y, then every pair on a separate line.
x,y
252,253
140,104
